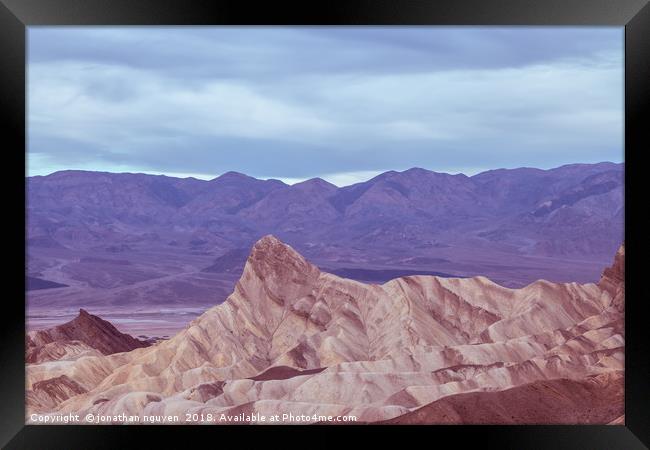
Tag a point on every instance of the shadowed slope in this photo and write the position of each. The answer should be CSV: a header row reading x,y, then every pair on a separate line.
x,y
596,400
86,330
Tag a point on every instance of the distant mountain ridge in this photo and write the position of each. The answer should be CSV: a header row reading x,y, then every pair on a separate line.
x,y
415,202
512,225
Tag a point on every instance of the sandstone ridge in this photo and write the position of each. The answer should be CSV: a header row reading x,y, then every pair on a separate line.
x,y
291,338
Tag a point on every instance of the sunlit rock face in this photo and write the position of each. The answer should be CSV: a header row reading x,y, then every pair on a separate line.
x,y
292,338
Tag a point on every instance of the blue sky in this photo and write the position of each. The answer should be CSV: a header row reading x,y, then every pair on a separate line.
x,y
340,103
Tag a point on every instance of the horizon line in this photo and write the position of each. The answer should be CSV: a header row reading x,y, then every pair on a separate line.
x,y
290,181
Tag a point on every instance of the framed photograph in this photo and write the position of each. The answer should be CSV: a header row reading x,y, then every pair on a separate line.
x,y
363,216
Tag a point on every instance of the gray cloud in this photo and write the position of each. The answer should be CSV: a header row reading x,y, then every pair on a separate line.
x,y
302,102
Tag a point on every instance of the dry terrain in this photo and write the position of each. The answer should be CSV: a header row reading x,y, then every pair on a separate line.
x,y
418,349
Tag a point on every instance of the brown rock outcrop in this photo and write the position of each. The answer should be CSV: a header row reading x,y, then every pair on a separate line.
x,y
595,400
82,334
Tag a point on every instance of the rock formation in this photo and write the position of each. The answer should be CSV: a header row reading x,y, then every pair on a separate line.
x,y
613,280
594,400
293,339
84,334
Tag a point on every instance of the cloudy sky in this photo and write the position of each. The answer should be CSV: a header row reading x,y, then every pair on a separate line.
x,y
340,103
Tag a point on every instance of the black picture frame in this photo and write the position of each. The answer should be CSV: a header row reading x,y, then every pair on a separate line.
x,y
16,15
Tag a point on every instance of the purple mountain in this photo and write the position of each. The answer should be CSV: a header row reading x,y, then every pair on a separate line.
x,y
185,238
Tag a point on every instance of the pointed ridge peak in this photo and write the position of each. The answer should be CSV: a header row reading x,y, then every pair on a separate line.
x,y
417,170
270,243
619,260
232,175
275,181
92,330
276,268
381,176
316,182
86,318
613,277
272,256
618,266
268,239
235,177
418,173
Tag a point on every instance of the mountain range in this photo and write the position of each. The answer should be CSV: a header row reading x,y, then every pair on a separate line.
x,y
418,349
121,240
